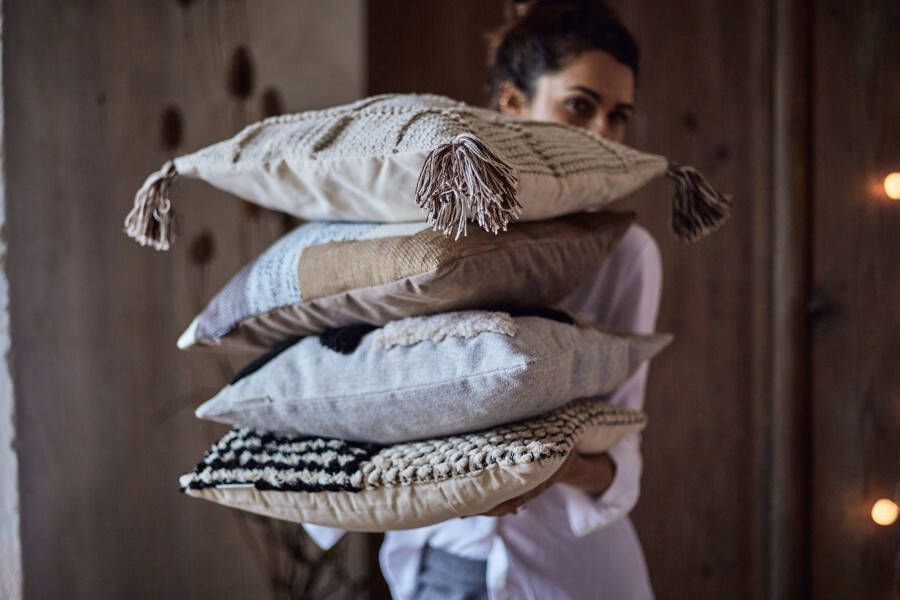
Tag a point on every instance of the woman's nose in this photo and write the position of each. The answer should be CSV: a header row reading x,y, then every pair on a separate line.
x,y
599,127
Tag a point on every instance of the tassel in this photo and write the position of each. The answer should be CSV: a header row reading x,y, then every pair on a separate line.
x,y
150,221
698,209
465,180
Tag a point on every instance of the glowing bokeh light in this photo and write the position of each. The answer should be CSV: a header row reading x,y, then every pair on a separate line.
x,y
892,186
884,512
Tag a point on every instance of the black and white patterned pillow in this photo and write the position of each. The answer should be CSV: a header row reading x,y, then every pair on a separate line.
x,y
367,487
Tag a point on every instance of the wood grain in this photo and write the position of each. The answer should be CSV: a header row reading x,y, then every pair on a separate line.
x,y
105,401
853,314
430,46
702,512
785,534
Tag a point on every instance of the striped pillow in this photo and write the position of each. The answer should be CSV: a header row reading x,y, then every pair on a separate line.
x,y
367,487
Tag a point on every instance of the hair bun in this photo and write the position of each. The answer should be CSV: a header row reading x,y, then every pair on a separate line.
x,y
522,8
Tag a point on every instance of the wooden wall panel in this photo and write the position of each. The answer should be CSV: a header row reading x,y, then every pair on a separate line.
x,y
787,497
430,46
701,516
98,94
855,306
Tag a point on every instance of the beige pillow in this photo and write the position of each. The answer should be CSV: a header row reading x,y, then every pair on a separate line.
x,y
364,487
412,158
326,275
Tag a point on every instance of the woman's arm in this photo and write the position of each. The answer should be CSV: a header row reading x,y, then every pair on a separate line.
x,y
591,473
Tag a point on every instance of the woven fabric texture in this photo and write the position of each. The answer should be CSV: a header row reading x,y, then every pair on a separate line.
x,y
325,275
422,158
362,487
365,161
401,123
272,461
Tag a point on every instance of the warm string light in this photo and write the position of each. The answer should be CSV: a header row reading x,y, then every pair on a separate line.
x,y
884,512
892,186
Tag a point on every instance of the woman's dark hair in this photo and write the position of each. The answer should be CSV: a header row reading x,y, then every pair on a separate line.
x,y
548,35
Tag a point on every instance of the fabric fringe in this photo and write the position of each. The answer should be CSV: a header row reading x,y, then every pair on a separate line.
x,y
150,222
698,209
465,324
465,180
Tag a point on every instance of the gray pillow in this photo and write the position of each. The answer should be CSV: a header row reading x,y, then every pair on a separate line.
x,y
430,376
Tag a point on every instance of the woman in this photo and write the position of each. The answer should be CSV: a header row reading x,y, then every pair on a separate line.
x,y
571,62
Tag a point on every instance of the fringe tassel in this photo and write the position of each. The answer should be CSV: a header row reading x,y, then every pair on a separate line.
x,y
465,179
698,209
150,221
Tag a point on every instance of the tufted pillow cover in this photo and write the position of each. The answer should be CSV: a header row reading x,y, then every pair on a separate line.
x,y
431,376
366,487
414,158
335,274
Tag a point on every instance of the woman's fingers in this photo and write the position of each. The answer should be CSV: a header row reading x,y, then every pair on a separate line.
x,y
513,505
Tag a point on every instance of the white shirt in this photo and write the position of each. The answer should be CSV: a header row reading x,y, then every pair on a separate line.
x,y
564,544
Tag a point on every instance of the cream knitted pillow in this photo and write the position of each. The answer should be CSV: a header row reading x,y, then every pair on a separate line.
x,y
397,158
365,487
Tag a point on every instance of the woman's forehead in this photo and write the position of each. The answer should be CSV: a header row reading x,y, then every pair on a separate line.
x,y
597,72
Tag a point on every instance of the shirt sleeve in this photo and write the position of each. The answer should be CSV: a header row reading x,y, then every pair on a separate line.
x,y
625,295
324,537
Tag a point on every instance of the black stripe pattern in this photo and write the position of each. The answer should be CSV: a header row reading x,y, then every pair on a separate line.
x,y
267,461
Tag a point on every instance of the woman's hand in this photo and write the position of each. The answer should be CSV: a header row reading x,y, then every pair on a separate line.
x,y
592,473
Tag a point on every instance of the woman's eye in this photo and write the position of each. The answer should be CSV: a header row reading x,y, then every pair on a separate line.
x,y
618,118
581,108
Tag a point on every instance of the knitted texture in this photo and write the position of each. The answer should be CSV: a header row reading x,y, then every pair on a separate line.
x,y
394,123
414,158
462,324
270,281
381,158
325,275
271,462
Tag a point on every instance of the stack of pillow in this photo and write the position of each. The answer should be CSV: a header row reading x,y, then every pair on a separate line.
x,y
411,370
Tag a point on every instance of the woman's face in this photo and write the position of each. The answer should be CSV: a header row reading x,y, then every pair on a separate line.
x,y
593,91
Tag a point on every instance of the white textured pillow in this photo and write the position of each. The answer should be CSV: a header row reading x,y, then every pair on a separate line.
x,y
364,487
430,376
387,158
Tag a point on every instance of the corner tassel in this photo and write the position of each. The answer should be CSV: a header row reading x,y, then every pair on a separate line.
x,y
698,209
150,221
464,179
